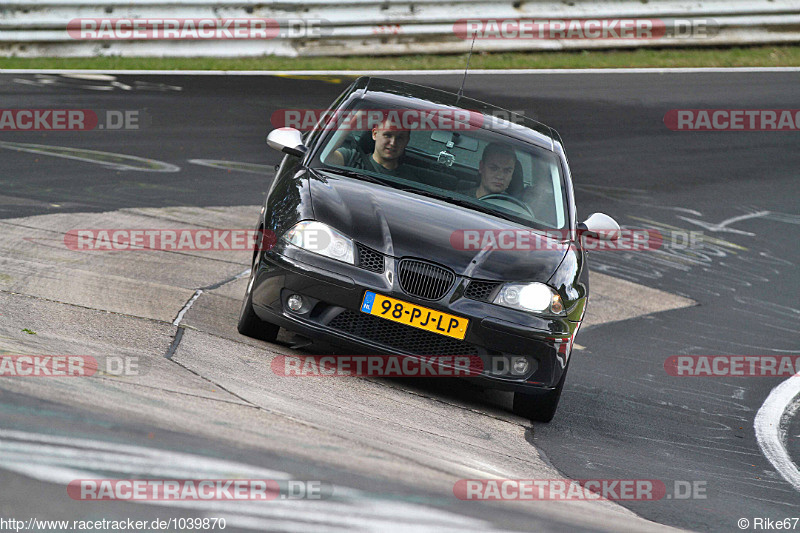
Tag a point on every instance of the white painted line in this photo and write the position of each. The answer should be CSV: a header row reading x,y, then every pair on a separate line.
x,y
769,433
126,454
61,460
197,294
253,168
492,72
110,160
723,226
187,307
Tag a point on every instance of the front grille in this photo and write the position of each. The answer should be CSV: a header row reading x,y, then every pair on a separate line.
x,y
399,336
480,290
369,259
424,280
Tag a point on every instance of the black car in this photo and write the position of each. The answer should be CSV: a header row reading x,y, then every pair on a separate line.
x,y
441,209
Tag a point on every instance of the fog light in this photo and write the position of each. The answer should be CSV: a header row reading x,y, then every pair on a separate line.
x,y
519,365
295,302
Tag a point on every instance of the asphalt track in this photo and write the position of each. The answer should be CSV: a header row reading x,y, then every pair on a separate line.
x,y
622,416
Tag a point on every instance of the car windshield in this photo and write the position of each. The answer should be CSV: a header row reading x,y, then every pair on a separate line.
x,y
450,154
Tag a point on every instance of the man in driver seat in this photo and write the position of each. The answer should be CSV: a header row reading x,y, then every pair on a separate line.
x,y
496,170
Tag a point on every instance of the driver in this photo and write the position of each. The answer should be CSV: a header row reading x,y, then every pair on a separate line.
x,y
496,170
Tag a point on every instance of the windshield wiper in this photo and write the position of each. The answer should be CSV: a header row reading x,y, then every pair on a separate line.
x,y
460,202
356,175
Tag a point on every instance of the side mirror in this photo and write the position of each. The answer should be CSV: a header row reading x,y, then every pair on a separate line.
x,y
600,226
287,140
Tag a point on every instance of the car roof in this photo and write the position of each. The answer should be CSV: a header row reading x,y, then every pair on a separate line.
x,y
524,128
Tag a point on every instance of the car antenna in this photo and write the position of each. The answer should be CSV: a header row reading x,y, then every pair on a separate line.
x,y
461,90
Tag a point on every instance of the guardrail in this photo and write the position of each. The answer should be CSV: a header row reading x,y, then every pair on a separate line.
x,y
388,27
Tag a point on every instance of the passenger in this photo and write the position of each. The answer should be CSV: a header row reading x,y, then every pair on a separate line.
x,y
386,158
496,170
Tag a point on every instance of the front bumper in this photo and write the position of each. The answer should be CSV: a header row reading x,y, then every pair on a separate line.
x,y
333,293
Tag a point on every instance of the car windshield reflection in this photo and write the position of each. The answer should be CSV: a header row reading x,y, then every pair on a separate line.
x,y
451,157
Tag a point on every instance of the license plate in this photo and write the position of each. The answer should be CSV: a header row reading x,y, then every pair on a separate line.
x,y
414,315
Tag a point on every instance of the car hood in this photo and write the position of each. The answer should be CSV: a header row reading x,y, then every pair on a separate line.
x,y
403,224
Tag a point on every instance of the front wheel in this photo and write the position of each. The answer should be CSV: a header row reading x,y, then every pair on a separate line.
x,y
539,407
249,323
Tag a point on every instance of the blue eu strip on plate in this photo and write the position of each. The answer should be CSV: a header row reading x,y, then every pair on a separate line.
x,y
369,299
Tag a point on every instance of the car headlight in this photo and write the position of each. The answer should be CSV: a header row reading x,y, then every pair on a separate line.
x,y
321,239
535,297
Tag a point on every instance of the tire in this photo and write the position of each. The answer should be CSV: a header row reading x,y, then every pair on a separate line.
x,y
539,407
249,323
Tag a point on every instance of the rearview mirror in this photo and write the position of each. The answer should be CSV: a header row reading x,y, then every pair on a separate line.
x,y
287,140
600,226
